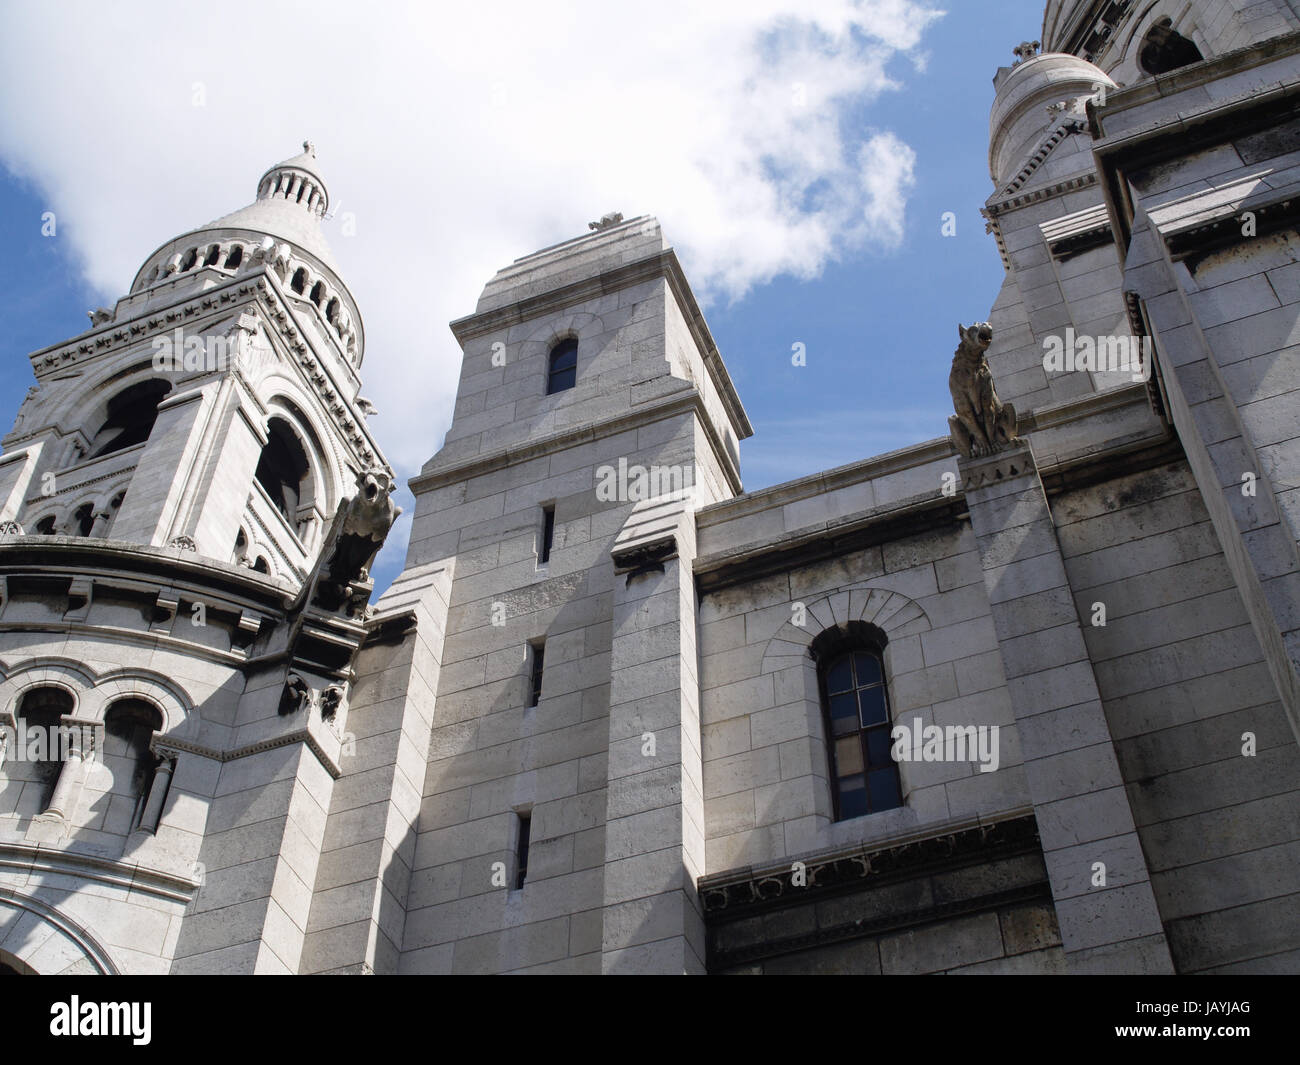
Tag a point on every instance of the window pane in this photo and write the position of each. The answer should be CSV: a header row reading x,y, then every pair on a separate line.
x,y
873,705
853,797
838,677
878,744
848,756
844,713
868,669
563,379
565,356
883,784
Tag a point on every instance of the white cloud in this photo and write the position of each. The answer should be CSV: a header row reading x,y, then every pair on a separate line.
x,y
462,137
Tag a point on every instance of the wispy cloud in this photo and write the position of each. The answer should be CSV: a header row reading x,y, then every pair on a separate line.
x,y
462,136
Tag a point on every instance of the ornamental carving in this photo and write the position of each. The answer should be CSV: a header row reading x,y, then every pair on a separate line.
x,y
982,425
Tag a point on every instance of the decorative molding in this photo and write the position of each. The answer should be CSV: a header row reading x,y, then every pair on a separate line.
x,y
749,891
1000,466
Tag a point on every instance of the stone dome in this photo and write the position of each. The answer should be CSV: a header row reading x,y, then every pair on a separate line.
x,y
1020,115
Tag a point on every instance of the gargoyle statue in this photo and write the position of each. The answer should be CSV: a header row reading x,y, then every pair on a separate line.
x,y
365,521
296,695
982,424
330,700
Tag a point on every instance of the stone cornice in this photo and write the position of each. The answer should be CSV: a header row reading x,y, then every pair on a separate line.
x,y
743,892
816,484
303,735
661,265
867,528
118,560
685,400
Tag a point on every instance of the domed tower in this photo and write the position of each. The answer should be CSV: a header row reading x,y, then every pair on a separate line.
x,y
190,500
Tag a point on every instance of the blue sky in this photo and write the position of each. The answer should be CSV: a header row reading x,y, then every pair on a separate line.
x,y
875,305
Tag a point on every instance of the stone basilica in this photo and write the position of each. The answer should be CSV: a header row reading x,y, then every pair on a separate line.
x,y
1018,699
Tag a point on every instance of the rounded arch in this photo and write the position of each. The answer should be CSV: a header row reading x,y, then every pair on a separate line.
x,y
53,942
12,965
1163,49
87,405
129,416
284,399
885,613
170,700
45,672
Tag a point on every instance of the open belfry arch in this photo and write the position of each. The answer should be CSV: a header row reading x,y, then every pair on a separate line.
x,y
1020,698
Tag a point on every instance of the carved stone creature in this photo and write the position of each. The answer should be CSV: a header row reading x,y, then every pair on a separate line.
x,y
296,695
982,424
607,221
365,521
330,700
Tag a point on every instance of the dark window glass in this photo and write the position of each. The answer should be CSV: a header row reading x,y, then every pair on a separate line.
x,y
281,469
535,682
548,534
131,417
521,850
1165,49
864,778
563,371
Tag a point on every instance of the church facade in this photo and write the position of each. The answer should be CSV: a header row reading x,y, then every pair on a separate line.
x,y
1018,699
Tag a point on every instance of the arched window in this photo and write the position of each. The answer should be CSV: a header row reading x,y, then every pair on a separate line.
x,y
129,726
191,257
1164,49
282,470
41,709
131,414
318,292
262,566
45,527
562,372
235,257
855,705
299,282
214,255
83,519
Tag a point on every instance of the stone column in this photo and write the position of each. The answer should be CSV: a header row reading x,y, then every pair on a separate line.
x,y
67,789
153,806
654,839
1100,882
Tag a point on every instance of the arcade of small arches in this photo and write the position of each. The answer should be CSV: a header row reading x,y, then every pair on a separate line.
x,y
230,256
57,724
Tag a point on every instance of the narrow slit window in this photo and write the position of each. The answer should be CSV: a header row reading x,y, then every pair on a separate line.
x,y
548,535
535,681
521,849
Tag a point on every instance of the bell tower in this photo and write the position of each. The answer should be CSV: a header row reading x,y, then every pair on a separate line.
x,y
190,501
215,407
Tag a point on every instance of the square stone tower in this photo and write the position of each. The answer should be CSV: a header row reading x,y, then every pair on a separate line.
x,y
560,819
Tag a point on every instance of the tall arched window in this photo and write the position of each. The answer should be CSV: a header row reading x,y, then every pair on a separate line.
x,y
1164,49
562,372
40,709
131,416
129,726
283,469
855,704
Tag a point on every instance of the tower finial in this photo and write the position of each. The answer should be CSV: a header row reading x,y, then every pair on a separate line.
x,y
309,148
